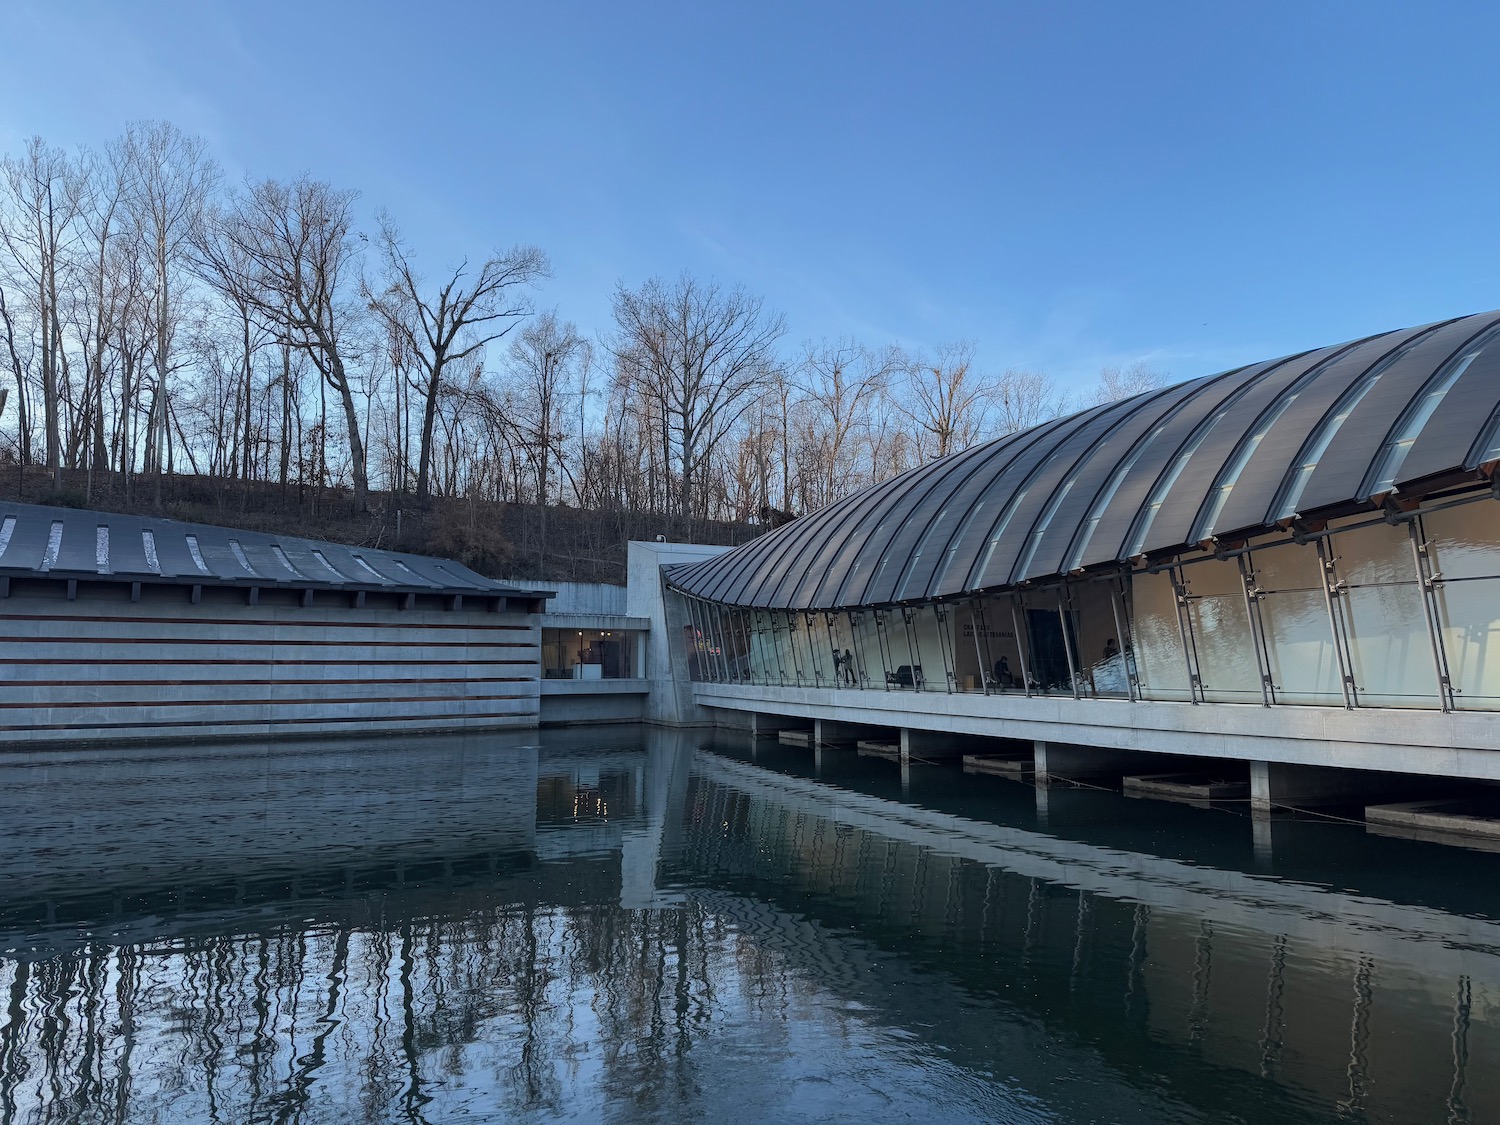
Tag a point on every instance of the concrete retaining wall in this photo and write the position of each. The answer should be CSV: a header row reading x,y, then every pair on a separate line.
x,y
577,702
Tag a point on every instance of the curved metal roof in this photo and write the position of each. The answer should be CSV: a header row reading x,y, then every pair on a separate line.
x,y
1327,431
37,541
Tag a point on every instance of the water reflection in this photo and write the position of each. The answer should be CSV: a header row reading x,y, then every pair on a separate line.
x,y
614,926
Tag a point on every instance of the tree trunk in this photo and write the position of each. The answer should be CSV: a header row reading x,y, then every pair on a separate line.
x,y
429,415
356,443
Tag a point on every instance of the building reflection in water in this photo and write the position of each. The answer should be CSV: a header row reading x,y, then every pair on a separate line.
x,y
612,926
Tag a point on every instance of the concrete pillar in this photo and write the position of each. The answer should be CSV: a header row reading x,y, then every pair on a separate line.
x,y
1065,760
830,732
1274,783
937,744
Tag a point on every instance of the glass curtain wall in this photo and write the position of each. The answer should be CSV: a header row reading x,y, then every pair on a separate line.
x,y
1370,614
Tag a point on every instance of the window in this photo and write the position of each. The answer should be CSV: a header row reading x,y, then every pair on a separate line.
x,y
594,654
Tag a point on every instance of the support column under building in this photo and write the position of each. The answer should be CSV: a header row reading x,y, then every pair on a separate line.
x,y
1276,784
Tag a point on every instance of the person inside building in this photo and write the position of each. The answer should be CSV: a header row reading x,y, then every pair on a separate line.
x,y
1003,678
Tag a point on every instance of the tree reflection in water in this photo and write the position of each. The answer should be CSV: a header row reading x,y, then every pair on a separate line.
x,y
609,928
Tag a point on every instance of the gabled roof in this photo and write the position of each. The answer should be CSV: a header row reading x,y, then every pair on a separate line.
x,y
1333,430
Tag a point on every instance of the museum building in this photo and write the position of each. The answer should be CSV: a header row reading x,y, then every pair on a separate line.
x,y
1318,530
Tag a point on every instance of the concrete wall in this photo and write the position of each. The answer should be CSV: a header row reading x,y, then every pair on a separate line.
x,y
576,597
578,702
103,668
671,701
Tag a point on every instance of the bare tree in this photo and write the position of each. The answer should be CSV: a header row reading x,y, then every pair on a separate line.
x,y
287,250
1022,399
172,176
108,290
547,358
456,322
842,382
18,367
36,219
1116,383
695,354
946,401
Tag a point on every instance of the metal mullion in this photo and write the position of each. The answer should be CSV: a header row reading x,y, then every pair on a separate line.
x,y
726,642
1127,650
1015,601
701,640
913,650
882,637
1335,623
705,611
981,651
812,651
861,674
695,611
1064,602
945,645
1185,631
1427,587
776,639
1257,637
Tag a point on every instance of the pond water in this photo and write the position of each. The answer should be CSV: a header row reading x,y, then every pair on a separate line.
x,y
629,925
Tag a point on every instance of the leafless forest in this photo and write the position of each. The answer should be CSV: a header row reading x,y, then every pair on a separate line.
x,y
272,353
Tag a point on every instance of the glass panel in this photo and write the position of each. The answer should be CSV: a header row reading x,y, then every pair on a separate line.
x,y
1299,640
1160,663
1222,639
692,643
899,660
869,656
793,653
841,643
765,668
998,646
1048,659
820,648
1100,656
933,658
719,619
1464,546
1389,644
1464,541
968,658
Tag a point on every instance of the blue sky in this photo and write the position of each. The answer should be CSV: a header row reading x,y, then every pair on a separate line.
x,y
1068,185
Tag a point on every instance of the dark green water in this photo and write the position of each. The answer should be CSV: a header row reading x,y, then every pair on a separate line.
x,y
631,926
